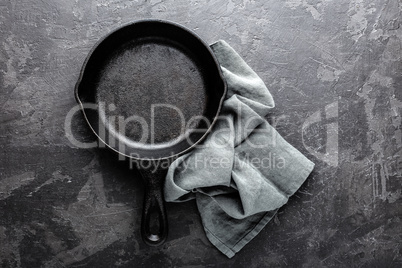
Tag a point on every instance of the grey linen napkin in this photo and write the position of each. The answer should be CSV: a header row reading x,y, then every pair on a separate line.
x,y
244,171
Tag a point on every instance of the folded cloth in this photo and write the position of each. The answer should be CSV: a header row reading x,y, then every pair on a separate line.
x,y
244,171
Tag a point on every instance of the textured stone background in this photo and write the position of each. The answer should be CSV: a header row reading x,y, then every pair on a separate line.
x,y
334,68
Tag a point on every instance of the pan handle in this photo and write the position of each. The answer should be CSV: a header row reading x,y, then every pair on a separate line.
x,y
154,225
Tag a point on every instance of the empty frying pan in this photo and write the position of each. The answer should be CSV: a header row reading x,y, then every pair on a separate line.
x,y
151,91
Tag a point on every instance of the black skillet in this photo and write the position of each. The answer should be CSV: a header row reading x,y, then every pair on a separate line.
x,y
151,91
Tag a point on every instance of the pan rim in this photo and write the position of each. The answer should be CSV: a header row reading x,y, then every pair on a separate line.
x,y
162,21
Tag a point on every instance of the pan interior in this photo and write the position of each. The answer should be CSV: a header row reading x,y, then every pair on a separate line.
x,y
151,91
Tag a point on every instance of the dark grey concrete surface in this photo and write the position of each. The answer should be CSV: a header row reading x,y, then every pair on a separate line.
x,y
334,68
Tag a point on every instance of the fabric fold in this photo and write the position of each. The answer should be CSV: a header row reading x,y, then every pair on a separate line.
x,y
244,171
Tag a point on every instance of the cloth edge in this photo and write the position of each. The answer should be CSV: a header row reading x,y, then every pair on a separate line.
x,y
267,217
230,252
